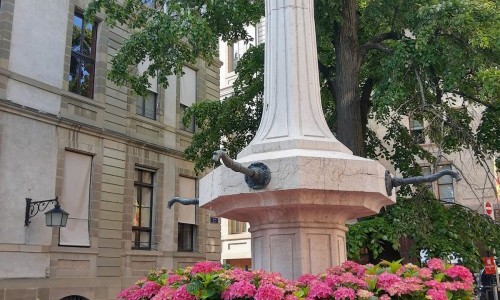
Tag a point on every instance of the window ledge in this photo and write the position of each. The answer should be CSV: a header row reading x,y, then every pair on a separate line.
x,y
143,252
145,120
188,254
73,249
85,100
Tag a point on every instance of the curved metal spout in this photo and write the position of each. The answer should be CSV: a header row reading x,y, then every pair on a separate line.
x,y
392,182
257,175
182,201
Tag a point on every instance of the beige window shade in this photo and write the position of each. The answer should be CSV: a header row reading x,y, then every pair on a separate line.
x,y
188,87
153,81
75,198
187,189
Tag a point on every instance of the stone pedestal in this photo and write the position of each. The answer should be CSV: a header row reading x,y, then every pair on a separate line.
x,y
298,221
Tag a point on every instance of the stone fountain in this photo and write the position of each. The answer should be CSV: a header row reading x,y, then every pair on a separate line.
x,y
302,185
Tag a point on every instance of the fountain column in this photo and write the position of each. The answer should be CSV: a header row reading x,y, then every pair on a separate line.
x,y
298,220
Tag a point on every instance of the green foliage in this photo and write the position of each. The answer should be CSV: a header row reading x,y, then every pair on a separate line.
x,y
207,286
442,230
236,118
172,34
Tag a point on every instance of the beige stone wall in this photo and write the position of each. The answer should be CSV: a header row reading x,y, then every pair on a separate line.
x,y
40,120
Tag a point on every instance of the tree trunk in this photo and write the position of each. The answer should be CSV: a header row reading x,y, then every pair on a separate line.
x,y
347,91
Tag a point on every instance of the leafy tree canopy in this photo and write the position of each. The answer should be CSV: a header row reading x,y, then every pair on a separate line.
x,y
430,60
446,231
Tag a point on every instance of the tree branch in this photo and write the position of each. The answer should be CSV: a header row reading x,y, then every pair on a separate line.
x,y
482,102
376,43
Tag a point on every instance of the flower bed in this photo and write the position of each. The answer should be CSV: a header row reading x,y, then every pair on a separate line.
x,y
209,280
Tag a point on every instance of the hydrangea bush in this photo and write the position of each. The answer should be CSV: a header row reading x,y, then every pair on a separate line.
x,y
387,280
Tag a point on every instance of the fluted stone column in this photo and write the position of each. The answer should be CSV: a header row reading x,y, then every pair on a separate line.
x,y
292,117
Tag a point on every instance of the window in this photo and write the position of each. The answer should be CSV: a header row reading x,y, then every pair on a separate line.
x,y
188,95
234,53
143,209
83,48
146,106
445,186
191,126
75,198
236,227
188,234
149,3
427,171
188,230
417,131
232,57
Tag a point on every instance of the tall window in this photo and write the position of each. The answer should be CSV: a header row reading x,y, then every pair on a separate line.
x,y
445,186
75,198
188,95
191,126
146,106
427,171
83,48
188,233
417,130
143,209
232,57
187,229
236,227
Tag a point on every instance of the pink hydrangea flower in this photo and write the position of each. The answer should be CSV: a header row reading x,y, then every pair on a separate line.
x,y
353,267
127,293
206,267
274,278
364,294
269,292
307,279
434,294
460,272
239,289
350,279
387,280
240,274
425,273
319,290
183,294
291,297
174,278
332,280
436,285
435,264
384,297
344,293
165,293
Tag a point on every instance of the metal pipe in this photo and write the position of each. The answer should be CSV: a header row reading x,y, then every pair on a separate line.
x,y
183,201
392,182
235,166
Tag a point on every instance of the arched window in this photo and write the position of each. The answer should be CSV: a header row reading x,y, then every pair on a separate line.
x,y
73,297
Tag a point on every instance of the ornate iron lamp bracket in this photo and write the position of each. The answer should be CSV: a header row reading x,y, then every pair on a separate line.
x,y
34,207
257,175
392,182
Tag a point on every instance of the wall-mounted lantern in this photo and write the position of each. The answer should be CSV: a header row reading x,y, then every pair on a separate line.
x,y
55,217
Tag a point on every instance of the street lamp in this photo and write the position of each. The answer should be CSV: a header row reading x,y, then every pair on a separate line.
x,y
55,217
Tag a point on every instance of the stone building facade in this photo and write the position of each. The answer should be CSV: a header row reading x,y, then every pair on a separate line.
x,y
114,160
